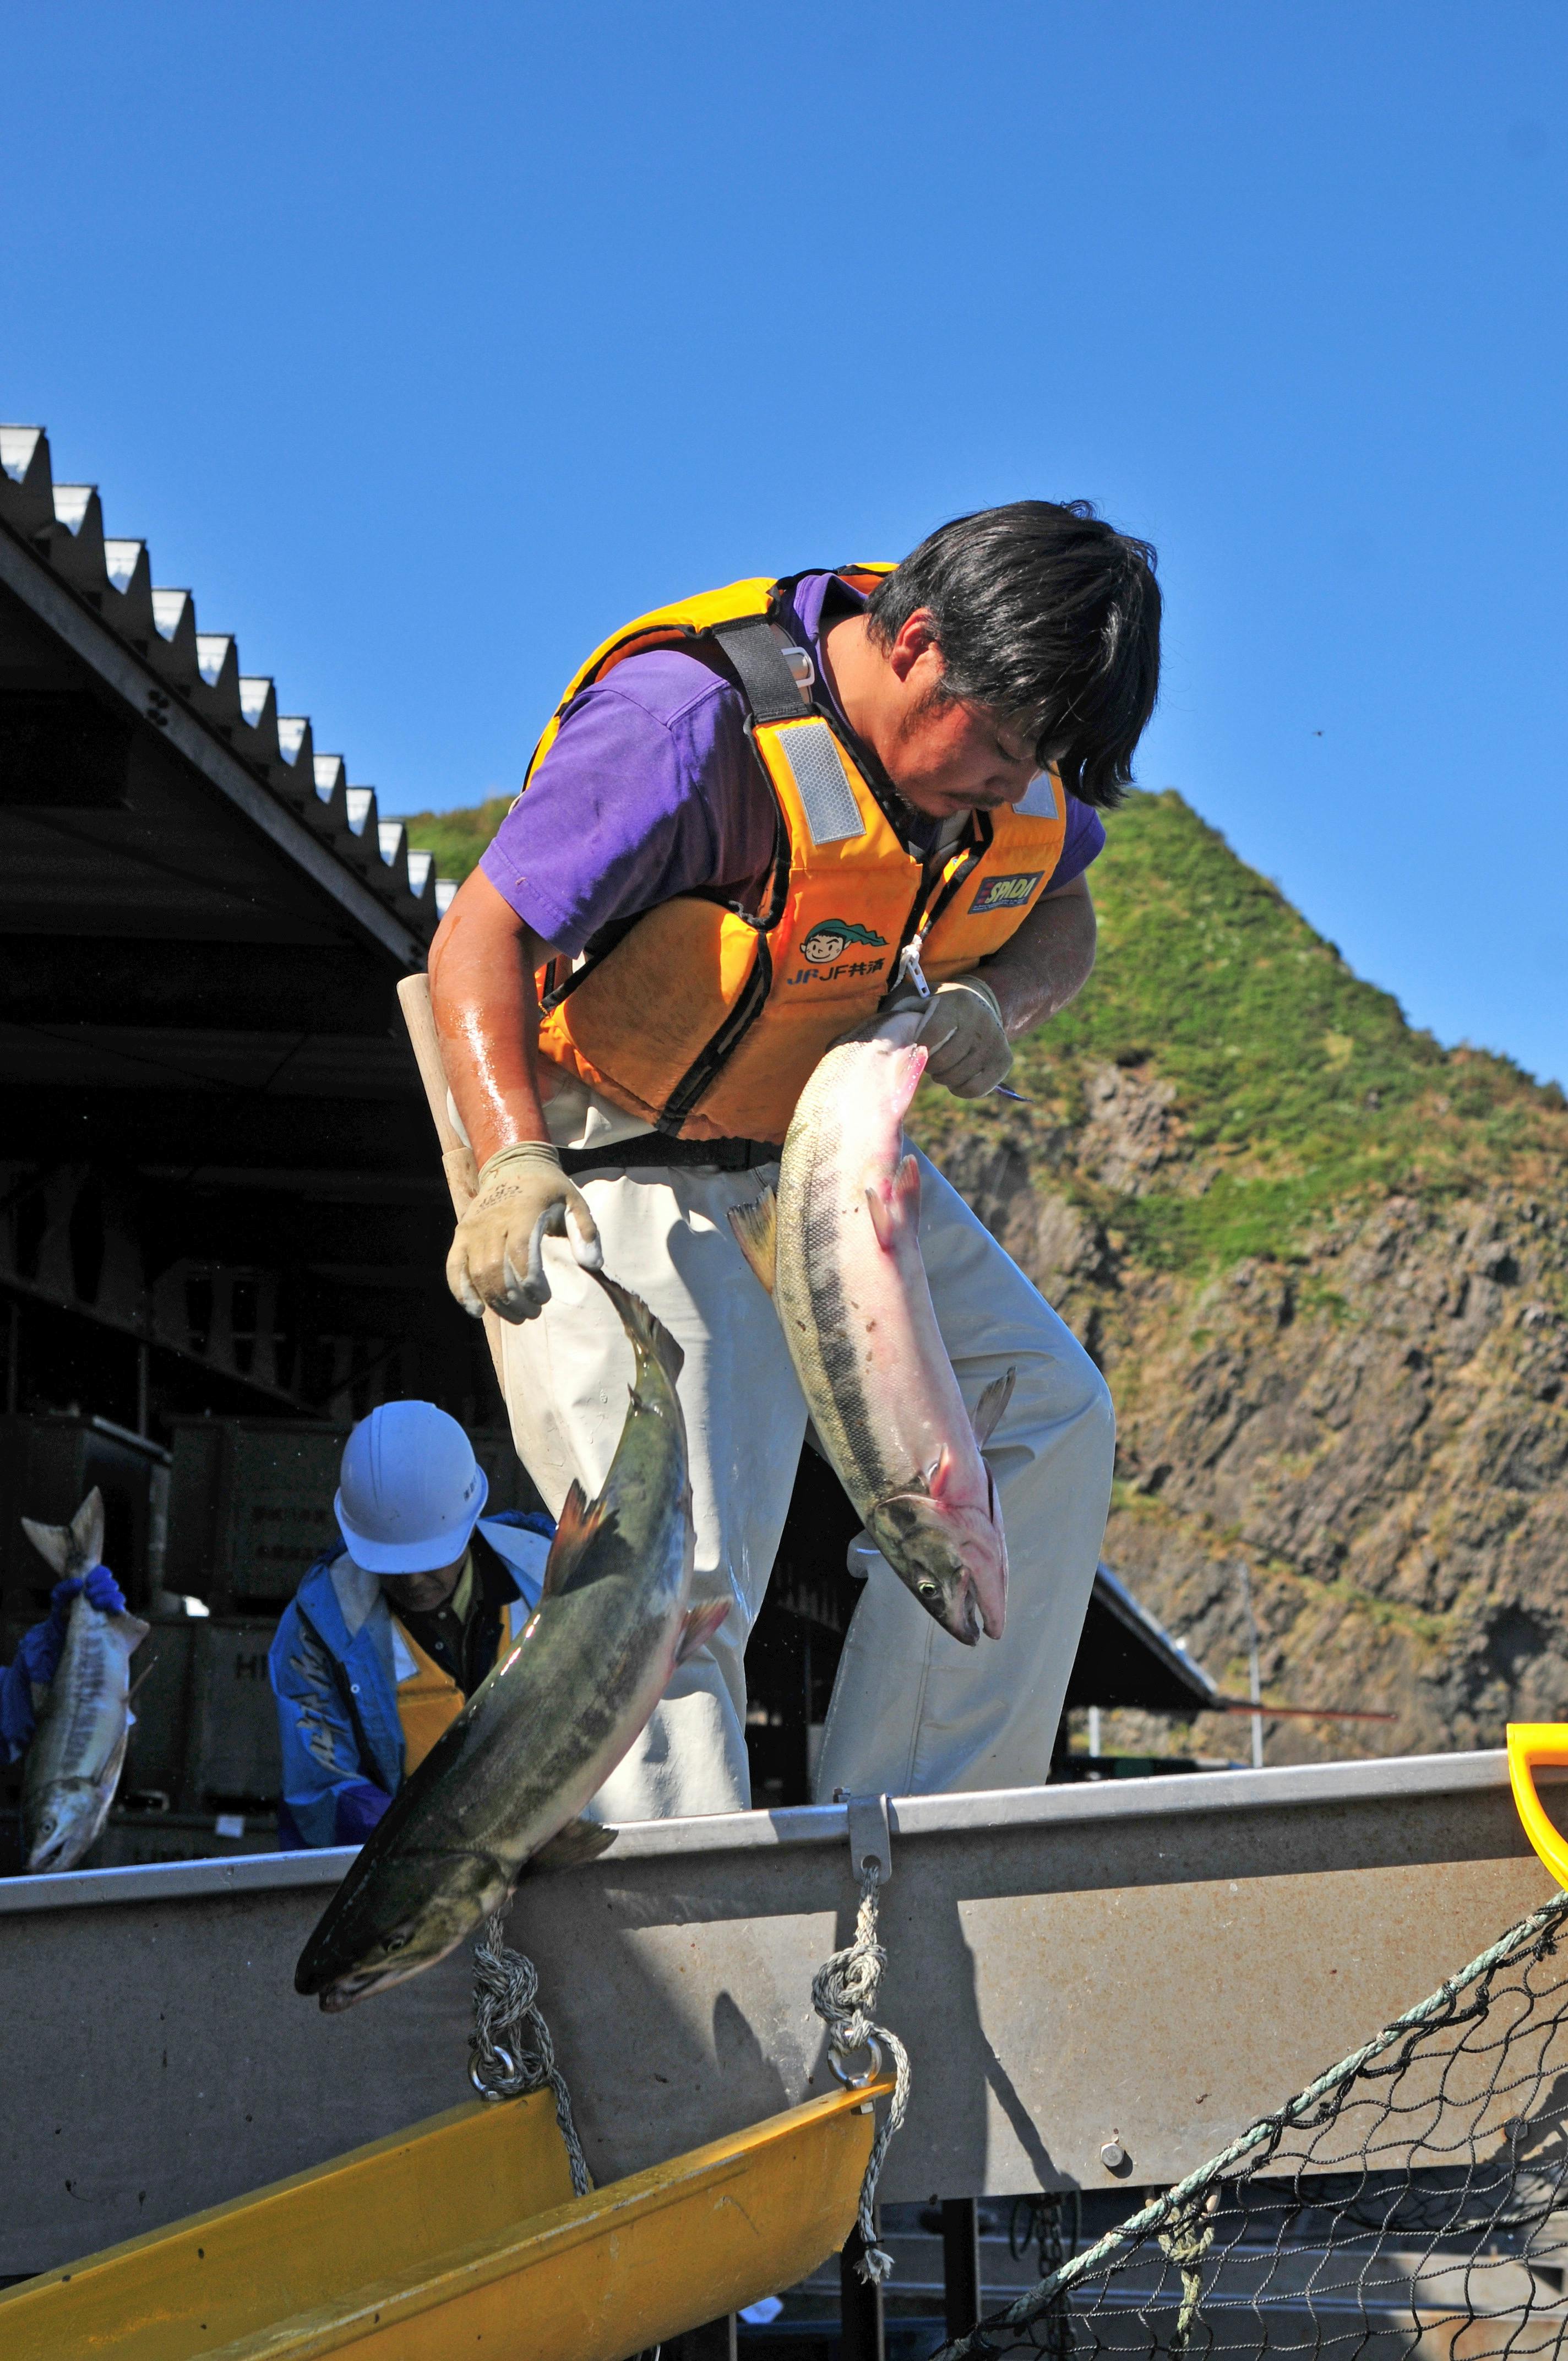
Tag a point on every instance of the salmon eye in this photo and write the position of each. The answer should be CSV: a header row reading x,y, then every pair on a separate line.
x,y
399,1941
927,1589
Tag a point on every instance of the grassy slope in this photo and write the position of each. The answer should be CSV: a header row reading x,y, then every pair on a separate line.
x,y
456,837
1300,1086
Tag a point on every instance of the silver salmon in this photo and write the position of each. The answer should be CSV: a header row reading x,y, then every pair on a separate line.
x,y
84,1716
542,1732
841,1251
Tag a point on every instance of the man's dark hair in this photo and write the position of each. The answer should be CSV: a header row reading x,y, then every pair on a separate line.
x,y
1050,618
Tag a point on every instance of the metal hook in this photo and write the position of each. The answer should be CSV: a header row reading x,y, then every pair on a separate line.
x,y
857,2081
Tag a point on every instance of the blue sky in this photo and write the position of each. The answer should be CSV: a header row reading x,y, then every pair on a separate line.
x,y
426,343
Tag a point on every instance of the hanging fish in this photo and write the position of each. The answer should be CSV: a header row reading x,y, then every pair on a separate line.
x,y
83,1715
542,1732
840,1252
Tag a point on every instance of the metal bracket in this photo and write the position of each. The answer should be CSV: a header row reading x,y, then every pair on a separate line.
x,y
871,1832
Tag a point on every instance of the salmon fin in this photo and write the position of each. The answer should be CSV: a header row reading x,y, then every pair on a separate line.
x,y
895,1205
700,1624
649,1337
938,1475
579,1525
986,1415
75,1548
580,1842
756,1228
912,1066
132,1631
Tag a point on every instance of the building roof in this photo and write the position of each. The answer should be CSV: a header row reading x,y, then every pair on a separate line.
x,y
190,683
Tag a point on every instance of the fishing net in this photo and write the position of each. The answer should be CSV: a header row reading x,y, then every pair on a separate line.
x,y
1412,2201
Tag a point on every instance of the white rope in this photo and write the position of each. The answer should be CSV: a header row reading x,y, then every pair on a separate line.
x,y
511,2049
844,1993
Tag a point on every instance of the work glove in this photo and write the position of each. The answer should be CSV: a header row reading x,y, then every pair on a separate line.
x,y
103,1592
496,1262
47,1638
39,1651
967,1040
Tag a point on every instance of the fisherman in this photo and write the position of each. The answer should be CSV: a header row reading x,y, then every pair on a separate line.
x,y
37,1660
757,816
385,1638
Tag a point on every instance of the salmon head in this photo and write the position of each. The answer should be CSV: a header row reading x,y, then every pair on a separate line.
x,y
66,1826
952,1556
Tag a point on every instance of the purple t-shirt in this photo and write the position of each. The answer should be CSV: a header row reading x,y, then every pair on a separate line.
x,y
651,790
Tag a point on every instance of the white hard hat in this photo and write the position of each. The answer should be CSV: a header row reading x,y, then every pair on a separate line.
x,y
409,1489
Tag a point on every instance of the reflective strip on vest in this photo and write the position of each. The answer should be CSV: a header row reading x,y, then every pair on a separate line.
x,y
707,1022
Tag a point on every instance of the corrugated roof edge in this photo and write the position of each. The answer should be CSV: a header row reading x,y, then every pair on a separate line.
x,y
63,524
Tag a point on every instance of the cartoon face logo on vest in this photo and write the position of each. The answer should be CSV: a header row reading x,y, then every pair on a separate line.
x,y
1004,893
824,947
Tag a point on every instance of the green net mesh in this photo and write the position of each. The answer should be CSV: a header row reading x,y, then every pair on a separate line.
x,y
1412,2201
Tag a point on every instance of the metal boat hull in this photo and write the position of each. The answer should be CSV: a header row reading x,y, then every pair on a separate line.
x,y
1160,1961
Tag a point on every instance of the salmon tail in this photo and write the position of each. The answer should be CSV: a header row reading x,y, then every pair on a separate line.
x,y
895,1205
700,1624
986,1415
87,1530
756,1228
651,1339
52,1542
75,1548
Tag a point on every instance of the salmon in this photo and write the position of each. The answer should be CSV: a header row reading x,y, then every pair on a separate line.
x,y
506,1782
84,1716
839,1249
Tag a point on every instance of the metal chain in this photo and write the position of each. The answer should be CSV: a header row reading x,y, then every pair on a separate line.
x,y
844,1993
510,2049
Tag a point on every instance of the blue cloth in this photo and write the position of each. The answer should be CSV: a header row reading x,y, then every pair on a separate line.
x,y
335,1679
36,1659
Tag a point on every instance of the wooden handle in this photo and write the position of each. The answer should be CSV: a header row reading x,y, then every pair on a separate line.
x,y
456,1160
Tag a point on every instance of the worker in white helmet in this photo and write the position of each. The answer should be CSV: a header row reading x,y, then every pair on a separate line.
x,y
386,1637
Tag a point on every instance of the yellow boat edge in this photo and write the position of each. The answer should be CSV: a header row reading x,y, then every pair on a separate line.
x,y
375,2251
1532,1746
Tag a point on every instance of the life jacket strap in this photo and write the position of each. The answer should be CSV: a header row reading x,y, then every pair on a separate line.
x,y
769,685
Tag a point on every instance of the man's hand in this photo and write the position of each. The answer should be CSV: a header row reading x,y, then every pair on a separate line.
x,y
967,1039
496,1262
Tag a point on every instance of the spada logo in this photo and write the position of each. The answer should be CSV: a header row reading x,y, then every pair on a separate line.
x,y
1004,893
832,939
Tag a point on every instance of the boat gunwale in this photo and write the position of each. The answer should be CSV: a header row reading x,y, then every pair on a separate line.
x,y
1181,1796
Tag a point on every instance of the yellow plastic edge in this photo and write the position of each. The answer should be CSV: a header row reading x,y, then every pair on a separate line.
x,y
1533,1744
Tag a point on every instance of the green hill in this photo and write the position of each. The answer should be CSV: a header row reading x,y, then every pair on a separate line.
x,y
456,837
1298,1086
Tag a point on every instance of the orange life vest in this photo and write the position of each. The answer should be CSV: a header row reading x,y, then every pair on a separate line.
x,y
708,1019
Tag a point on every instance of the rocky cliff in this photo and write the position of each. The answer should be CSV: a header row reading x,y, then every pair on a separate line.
x,y
1324,1264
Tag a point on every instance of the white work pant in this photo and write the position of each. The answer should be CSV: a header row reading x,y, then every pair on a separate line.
x,y
914,1711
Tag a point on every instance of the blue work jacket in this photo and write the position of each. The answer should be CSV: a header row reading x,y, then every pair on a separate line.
x,y
335,1662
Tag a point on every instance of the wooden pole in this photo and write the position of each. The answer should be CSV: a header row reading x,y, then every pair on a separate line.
x,y
456,1160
